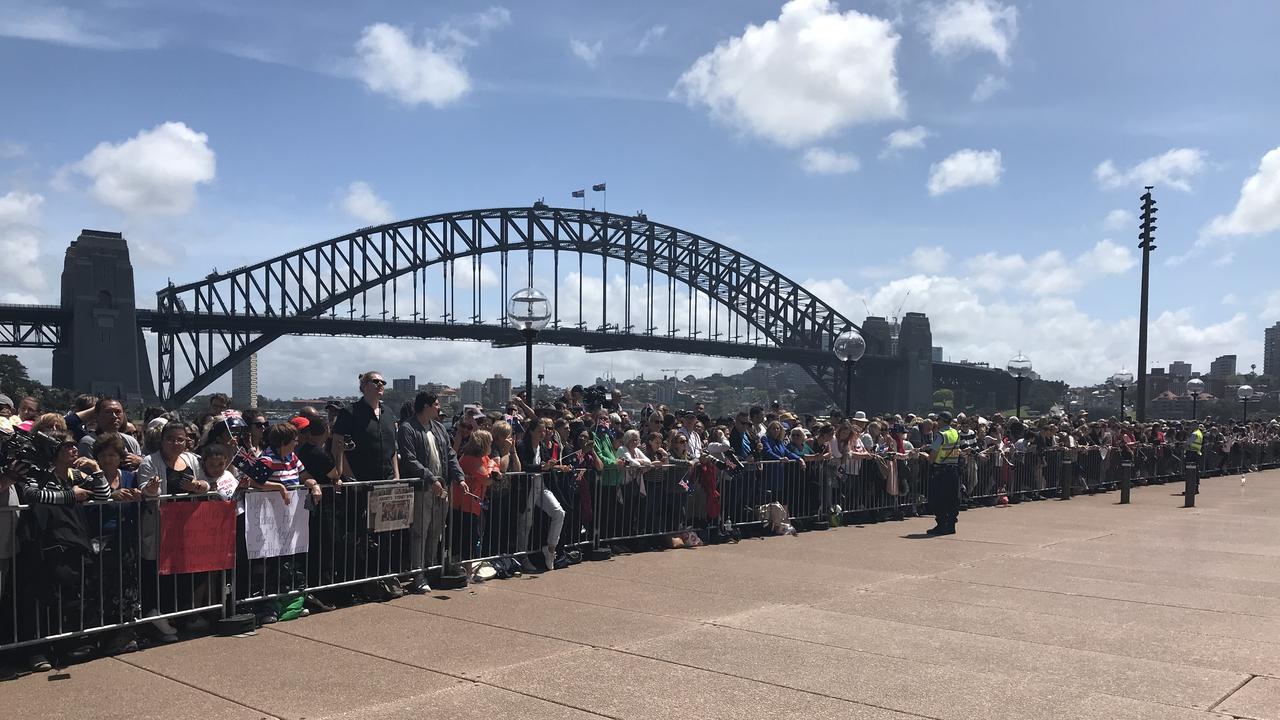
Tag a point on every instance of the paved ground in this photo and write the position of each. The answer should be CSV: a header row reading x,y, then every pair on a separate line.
x,y
1080,609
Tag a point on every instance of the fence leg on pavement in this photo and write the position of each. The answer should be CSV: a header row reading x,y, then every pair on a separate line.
x,y
1066,475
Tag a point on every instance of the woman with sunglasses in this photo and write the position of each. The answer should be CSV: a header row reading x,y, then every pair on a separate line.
x,y
257,431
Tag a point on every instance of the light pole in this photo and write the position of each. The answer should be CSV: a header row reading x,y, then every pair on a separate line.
x,y
1245,393
1122,380
529,311
1195,386
1020,368
849,347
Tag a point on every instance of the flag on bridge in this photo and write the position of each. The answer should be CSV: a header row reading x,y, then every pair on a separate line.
x,y
598,188
579,193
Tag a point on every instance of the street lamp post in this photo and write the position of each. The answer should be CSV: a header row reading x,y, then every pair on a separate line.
x,y
1122,380
1195,386
1020,368
849,347
1245,393
529,311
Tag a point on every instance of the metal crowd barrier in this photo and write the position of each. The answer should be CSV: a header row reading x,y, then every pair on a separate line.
x,y
365,532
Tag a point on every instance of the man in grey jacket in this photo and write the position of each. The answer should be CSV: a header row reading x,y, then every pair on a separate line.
x,y
425,452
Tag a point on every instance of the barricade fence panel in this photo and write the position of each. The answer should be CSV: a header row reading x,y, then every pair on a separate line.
x,y
175,556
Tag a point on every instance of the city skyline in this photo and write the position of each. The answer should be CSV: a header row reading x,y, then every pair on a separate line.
x,y
987,172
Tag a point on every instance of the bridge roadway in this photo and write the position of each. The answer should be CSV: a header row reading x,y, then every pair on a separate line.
x,y
1079,609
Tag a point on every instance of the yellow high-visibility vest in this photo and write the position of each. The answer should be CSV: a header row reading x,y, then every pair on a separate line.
x,y
949,452
1197,440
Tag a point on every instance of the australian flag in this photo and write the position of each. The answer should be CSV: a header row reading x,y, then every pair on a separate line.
x,y
598,188
579,193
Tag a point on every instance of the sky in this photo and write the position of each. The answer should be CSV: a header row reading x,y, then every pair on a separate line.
x,y
977,160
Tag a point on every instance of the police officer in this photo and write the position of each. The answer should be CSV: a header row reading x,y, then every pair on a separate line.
x,y
944,477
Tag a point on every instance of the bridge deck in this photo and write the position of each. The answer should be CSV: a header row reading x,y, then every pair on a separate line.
x,y
1082,609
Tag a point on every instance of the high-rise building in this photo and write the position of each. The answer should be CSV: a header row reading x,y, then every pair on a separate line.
x,y
1179,373
404,386
244,383
1223,366
1271,352
497,391
937,354
471,392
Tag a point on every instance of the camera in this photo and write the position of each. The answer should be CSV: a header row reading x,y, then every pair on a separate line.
x,y
36,450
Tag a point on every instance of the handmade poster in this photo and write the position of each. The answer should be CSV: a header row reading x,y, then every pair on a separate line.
x,y
197,536
391,508
273,528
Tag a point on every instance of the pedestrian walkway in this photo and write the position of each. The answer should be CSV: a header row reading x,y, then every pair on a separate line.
x,y
1077,609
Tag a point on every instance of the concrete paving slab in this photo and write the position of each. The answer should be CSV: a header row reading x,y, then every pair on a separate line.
x,y
934,691
108,689
1204,622
629,686
433,642
1046,580
1161,682
745,576
288,676
550,617
1148,557
628,595
1259,699
1126,639
1154,579
472,700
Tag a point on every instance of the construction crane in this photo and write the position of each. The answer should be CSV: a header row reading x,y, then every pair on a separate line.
x,y
675,372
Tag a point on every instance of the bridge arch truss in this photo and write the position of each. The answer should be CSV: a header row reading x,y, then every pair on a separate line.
x,y
374,281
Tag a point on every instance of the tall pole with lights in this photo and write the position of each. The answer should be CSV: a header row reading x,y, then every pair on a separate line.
x,y
1148,238
1122,380
1195,386
849,347
1020,368
529,311
1245,393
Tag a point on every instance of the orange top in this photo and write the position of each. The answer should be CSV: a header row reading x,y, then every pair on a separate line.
x,y
477,470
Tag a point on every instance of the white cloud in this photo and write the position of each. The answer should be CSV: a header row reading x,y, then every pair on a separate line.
x,y
1230,299
911,138
1118,219
363,204
965,168
992,324
1174,169
588,53
651,36
988,86
10,150
1109,258
390,63
825,161
1258,209
66,26
962,26
153,173
20,240
929,259
802,77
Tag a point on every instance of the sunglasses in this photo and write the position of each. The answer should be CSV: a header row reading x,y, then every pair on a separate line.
x,y
379,383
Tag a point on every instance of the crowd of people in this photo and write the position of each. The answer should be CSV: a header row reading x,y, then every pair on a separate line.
x,y
518,489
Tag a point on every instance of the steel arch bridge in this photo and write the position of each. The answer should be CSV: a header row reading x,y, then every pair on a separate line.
x,y
375,282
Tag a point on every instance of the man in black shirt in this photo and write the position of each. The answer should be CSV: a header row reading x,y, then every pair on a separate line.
x,y
370,428
372,431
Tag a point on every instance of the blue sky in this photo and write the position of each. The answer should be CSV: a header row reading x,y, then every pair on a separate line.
x,y
215,134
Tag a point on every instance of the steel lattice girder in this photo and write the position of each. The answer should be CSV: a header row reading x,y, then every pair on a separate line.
x,y
32,326
313,280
